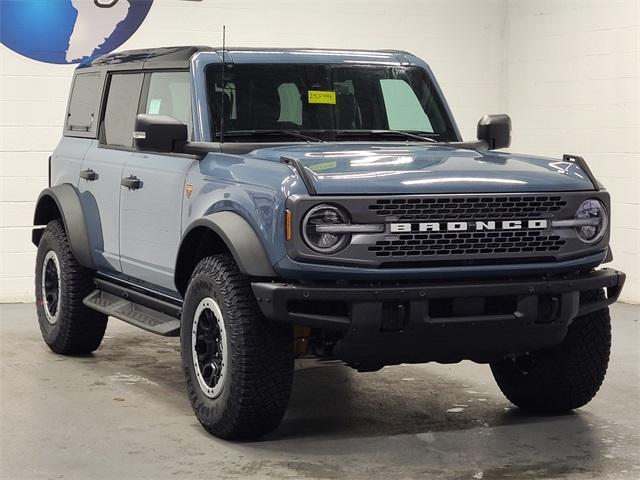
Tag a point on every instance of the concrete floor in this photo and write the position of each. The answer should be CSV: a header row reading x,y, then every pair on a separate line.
x,y
122,413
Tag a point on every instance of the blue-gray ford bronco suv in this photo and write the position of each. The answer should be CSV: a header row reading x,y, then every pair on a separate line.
x,y
272,204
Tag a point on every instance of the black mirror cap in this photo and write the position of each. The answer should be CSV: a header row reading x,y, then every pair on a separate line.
x,y
495,130
159,133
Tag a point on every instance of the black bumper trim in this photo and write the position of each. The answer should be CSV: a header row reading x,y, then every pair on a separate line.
x,y
273,297
385,325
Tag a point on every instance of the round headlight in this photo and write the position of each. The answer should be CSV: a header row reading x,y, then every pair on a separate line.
x,y
592,221
325,241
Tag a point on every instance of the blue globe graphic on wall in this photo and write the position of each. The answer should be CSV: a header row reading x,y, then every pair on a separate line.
x,y
69,31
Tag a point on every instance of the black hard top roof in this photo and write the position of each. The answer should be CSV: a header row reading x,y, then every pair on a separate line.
x,y
180,56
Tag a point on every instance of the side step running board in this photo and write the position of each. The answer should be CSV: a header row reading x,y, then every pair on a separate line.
x,y
136,308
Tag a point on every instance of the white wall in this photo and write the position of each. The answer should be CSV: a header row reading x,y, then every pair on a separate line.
x,y
468,45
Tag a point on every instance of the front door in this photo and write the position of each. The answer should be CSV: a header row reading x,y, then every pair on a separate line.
x,y
151,207
102,169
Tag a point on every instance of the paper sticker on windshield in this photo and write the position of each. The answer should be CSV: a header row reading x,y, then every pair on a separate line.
x,y
322,96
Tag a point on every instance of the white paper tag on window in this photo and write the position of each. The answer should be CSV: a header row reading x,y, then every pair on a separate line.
x,y
154,106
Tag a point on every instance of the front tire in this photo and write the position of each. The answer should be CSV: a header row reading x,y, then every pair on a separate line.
x,y
238,365
564,377
67,326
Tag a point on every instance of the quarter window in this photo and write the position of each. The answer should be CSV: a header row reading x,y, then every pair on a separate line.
x,y
83,105
121,110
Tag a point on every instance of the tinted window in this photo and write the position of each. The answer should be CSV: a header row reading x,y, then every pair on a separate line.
x,y
83,104
121,110
325,100
170,94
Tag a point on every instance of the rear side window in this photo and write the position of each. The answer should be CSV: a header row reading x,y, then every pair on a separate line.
x,y
170,94
82,115
122,107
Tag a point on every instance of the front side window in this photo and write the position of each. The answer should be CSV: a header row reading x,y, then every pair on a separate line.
x,y
325,101
170,94
121,109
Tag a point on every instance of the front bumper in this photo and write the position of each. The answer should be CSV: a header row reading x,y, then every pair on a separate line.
x,y
480,320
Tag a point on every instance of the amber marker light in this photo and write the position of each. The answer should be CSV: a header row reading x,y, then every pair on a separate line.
x,y
288,225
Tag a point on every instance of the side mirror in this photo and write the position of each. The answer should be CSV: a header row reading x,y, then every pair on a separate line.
x,y
159,133
495,130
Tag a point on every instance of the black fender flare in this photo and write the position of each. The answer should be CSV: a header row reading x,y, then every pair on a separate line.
x,y
241,240
66,199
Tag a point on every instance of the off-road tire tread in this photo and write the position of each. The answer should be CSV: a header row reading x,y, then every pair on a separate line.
x,y
80,329
262,357
570,374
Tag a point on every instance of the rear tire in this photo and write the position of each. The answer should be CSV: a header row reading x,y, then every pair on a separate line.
x,y
238,365
67,326
564,377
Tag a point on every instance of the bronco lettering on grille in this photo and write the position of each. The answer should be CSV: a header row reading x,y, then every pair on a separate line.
x,y
464,226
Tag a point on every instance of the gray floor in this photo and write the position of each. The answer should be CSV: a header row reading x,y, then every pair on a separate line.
x,y
122,413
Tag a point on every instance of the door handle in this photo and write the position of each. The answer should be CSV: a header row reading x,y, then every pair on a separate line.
x,y
89,175
131,182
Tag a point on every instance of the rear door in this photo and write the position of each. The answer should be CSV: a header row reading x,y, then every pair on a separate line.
x,y
150,216
102,168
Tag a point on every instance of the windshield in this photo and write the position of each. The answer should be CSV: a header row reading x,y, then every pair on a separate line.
x,y
268,102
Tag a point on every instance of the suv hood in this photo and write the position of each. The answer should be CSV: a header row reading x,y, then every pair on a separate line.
x,y
406,168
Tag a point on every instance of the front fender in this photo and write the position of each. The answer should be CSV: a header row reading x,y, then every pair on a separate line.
x,y
62,201
240,239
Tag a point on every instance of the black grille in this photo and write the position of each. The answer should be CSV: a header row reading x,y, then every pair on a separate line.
x,y
468,243
463,208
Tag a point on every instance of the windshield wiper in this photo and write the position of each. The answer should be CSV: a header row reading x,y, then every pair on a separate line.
x,y
291,133
414,136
